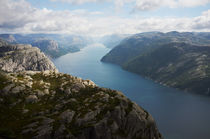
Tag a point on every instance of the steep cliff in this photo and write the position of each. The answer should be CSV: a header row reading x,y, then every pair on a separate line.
x,y
55,105
17,57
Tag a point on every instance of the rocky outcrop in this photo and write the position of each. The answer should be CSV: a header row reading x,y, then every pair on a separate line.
x,y
19,57
46,104
40,107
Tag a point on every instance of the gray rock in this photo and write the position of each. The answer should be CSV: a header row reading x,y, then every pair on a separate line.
x,y
60,132
44,132
67,91
78,86
89,83
32,125
16,58
40,93
17,89
7,88
27,130
67,116
88,117
46,91
31,99
29,84
47,121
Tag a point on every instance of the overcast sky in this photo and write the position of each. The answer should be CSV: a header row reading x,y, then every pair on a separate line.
x,y
102,17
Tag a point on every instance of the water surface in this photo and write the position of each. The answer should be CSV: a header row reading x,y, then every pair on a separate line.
x,y
178,115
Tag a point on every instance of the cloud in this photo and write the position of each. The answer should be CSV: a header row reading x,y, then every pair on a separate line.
x,y
18,16
144,5
202,22
79,1
14,14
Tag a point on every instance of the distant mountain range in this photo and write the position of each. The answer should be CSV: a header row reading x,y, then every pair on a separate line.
x,y
110,41
53,45
179,60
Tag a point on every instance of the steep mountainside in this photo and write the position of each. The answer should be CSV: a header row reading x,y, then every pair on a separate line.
x,y
49,104
51,48
53,45
179,60
113,40
17,57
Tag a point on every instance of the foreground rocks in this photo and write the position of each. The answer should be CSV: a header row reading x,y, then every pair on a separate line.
x,y
55,105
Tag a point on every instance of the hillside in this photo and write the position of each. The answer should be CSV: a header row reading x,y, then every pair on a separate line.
x,y
53,45
179,60
46,104
18,57
110,41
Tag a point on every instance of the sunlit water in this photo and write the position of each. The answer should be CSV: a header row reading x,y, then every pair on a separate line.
x,y
178,115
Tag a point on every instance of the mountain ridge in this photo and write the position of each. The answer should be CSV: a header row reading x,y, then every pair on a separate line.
x,y
174,59
53,45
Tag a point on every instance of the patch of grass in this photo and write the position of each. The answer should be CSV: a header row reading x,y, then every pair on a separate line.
x,y
3,79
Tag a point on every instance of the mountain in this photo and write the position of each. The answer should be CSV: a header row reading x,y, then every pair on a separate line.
x,y
51,48
53,45
19,57
110,41
45,104
179,60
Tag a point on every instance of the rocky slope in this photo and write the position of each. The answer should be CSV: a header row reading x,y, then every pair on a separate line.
x,y
45,104
17,57
179,60
53,45
55,105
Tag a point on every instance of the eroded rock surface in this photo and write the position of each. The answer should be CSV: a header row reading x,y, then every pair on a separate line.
x,y
19,57
90,112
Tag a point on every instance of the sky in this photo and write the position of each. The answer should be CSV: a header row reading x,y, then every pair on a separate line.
x,y
103,17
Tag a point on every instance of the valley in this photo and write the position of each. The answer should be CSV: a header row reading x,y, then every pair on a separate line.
x,y
176,113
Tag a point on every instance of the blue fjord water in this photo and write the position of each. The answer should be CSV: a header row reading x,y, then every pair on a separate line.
x,y
179,115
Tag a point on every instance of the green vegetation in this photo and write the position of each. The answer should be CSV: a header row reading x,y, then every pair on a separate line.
x,y
179,60
14,120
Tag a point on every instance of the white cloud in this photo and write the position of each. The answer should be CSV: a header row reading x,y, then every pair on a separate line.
x,y
202,22
80,1
15,14
145,5
21,17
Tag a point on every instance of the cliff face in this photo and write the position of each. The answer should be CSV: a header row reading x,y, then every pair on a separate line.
x,y
17,57
55,105
46,44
